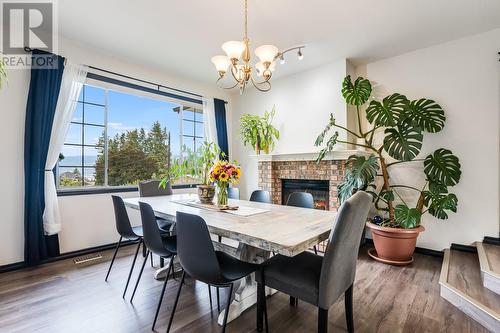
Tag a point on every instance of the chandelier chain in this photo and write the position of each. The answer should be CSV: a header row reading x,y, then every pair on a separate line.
x,y
246,19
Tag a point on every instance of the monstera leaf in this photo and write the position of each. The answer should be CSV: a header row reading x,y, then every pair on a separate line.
x,y
442,167
321,136
363,168
330,144
426,114
357,93
440,202
404,141
387,195
361,171
388,113
406,217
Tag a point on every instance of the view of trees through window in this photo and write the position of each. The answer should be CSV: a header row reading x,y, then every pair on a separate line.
x,y
118,139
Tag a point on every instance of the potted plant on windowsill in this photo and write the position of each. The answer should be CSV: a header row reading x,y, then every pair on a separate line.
x,y
403,123
259,132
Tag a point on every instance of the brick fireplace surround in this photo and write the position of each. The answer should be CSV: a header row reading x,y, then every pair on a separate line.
x,y
271,173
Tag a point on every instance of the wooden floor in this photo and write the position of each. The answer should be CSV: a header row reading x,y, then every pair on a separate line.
x,y
63,297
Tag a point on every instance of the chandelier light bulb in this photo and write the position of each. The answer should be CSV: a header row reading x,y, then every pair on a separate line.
x,y
300,55
282,60
266,53
233,49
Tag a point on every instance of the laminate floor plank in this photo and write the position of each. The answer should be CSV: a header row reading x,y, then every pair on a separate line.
x,y
64,297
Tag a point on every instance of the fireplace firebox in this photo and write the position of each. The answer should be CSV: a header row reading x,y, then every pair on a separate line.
x,y
318,188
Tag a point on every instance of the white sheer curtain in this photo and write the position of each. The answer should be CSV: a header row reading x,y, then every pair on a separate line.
x,y
209,123
72,82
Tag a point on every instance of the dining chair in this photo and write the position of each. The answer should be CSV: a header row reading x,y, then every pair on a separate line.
x,y
261,196
303,200
151,188
233,193
156,243
126,231
200,261
318,280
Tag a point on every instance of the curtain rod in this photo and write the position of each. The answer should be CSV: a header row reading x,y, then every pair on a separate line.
x,y
29,50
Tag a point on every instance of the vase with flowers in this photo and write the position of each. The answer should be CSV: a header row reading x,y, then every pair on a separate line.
x,y
222,174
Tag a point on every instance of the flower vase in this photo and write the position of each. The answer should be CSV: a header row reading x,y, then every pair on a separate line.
x,y
222,195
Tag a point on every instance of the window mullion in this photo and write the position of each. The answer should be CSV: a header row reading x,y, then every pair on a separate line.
x,y
106,163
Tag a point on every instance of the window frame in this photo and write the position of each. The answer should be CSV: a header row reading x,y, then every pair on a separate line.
x,y
130,87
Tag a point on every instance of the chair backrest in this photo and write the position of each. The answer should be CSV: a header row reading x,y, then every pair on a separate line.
x,y
151,232
300,199
151,188
261,196
195,249
339,263
123,226
233,193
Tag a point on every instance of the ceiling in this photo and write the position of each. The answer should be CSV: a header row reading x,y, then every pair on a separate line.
x,y
180,36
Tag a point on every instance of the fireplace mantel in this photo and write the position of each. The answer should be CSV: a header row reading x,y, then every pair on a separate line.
x,y
338,155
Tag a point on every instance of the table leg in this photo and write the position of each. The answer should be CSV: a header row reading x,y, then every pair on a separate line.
x,y
245,290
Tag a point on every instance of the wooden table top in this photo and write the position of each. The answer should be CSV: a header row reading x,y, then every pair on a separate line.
x,y
282,229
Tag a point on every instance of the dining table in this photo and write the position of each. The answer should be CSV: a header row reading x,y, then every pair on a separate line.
x,y
254,230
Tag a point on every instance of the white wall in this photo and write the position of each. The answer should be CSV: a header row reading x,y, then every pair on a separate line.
x,y
87,220
303,102
463,77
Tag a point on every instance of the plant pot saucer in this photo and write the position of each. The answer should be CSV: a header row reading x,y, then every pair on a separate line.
x,y
373,254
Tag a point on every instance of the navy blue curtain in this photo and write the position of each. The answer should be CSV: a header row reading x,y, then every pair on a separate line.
x,y
220,124
42,99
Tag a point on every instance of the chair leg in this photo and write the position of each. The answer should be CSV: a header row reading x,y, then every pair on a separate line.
x,y
294,301
218,301
162,292
131,268
114,256
140,275
227,308
220,239
264,302
259,308
162,262
210,295
322,320
348,310
315,250
176,301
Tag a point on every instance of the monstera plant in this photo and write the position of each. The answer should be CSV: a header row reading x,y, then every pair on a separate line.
x,y
403,123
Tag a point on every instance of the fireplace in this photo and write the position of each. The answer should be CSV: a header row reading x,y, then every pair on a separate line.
x,y
318,188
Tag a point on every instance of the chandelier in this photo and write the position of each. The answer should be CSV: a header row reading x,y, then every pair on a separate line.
x,y
237,59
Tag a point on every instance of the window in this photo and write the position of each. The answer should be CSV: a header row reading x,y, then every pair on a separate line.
x,y
118,139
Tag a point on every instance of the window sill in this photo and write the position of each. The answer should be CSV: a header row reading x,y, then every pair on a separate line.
x,y
111,189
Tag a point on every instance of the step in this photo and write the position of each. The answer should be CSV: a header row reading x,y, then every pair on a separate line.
x,y
489,260
461,285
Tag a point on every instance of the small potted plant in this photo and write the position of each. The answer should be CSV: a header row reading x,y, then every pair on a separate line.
x,y
197,165
259,132
224,173
403,123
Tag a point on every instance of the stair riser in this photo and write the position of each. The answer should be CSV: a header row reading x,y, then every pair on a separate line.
x,y
467,306
492,282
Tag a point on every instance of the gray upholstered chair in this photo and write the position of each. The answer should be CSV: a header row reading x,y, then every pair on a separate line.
x,y
322,280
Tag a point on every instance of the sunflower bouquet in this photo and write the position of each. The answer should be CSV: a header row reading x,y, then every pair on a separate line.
x,y
224,173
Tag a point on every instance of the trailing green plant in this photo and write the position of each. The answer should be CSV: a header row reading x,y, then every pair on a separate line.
x,y
258,131
196,164
404,123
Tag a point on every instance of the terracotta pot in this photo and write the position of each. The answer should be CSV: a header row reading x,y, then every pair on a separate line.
x,y
394,245
206,193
